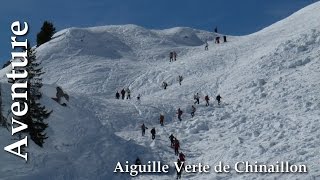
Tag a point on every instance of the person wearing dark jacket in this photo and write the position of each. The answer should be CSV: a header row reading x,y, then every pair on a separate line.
x,y
180,78
153,133
117,95
207,100
179,164
138,162
164,85
171,56
179,114
197,98
123,93
217,40
172,138
143,129
193,110
218,98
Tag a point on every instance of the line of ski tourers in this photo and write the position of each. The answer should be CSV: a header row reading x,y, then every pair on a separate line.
x,y
175,144
179,114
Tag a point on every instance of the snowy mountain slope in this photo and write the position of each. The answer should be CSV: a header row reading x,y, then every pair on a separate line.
x,y
119,45
269,82
73,133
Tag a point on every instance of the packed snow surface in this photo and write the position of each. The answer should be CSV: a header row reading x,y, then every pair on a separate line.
x,y
269,82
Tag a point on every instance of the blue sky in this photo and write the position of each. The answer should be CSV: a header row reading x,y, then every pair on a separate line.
x,y
235,17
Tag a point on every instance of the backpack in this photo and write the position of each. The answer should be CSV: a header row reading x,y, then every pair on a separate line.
x,y
176,144
182,157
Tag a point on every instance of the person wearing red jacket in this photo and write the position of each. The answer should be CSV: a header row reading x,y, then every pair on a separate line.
x,y
161,119
176,147
182,157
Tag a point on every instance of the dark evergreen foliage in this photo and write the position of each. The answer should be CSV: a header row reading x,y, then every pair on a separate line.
x,y
37,113
46,33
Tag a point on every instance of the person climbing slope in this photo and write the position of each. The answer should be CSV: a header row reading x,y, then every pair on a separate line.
x,y
180,78
197,98
174,55
143,129
161,119
176,146
206,48
179,112
172,138
179,164
138,162
117,95
182,157
123,93
171,56
193,110
153,133
128,93
217,40
164,85
218,98
206,98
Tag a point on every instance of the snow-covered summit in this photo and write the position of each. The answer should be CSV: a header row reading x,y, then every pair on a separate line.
x,y
269,82
114,42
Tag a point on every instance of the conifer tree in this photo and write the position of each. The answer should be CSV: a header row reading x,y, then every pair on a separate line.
x,y
46,33
37,113
3,121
